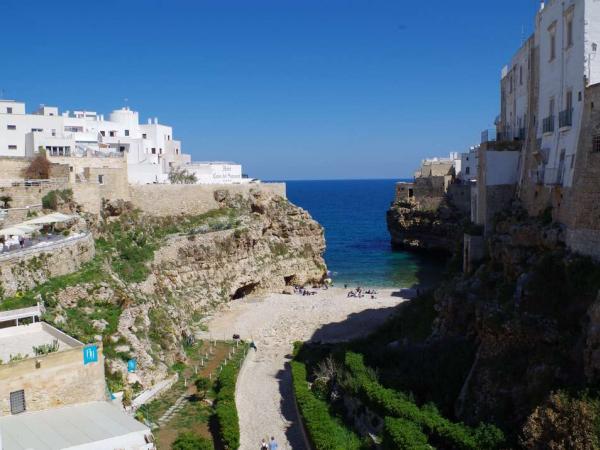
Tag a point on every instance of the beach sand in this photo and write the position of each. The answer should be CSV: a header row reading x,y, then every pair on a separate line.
x,y
264,390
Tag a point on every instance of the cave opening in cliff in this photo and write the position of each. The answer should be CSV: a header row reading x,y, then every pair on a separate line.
x,y
244,291
289,280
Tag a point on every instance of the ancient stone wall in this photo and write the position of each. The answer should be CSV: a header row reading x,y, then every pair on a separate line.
x,y
29,194
459,195
11,168
24,270
60,380
174,199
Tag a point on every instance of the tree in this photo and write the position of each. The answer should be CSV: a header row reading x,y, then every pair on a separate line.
x,y
202,385
38,169
191,441
179,175
6,199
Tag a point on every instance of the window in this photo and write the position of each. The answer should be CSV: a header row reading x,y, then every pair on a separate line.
x,y
8,110
126,132
121,148
53,132
521,75
100,179
551,108
468,171
37,130
12,147
153,151
160,151
144,136
177,151
103,133
17,402
569,33
112,133
11,127
596,144
552,40
70,168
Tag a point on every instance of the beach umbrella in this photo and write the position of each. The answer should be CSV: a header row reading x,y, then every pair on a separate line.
x,y
49,218
18,230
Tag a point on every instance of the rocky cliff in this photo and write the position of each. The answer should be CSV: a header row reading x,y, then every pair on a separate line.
x,y
153,279
430,221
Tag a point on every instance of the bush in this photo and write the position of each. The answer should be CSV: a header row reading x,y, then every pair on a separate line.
x,y
228,425
202,385
401,434
386,402
324,431
38,169
191,441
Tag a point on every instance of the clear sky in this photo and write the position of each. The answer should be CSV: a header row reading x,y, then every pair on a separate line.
x,y
293,89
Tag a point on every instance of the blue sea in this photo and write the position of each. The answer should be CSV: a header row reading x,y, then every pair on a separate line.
x,y
358,244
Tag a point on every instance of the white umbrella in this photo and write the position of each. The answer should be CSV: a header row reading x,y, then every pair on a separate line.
x,y
49,218
18,230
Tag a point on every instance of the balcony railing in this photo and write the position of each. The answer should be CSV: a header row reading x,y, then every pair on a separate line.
x,y
565,118
488,136
548,124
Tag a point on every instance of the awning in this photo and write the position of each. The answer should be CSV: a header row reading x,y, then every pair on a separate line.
x,y
49,218
18,230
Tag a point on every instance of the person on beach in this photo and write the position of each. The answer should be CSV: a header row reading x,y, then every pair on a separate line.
x,y
273,444
253,345
263,445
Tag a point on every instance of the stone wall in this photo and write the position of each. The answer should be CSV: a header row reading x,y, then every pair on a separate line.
x,y
12,168
174,199
26,194
459,195
60,380
24,270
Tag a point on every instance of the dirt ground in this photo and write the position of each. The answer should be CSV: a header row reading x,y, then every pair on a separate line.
x,y
264,389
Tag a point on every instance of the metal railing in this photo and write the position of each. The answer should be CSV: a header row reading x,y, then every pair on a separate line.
x,y
20,253
29,183
548,124
488,136
554,176
565,118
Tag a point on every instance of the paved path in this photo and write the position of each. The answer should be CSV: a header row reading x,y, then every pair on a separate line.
x,y
264,390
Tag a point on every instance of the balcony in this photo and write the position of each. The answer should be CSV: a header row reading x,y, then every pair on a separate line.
x,y
554,176
488,136
548,124
565,118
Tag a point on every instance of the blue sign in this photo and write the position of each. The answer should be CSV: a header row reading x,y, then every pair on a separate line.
x,y
90,354
131,365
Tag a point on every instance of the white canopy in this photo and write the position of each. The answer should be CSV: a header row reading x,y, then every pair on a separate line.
x,y
49,218
18,230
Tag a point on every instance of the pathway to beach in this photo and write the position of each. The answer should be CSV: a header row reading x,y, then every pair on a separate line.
x,y
264,390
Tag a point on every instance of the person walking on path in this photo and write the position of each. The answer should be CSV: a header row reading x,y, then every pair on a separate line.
x,y
273,444
263,445
253,345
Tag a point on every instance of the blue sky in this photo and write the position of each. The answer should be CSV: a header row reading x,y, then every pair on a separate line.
x,y
293,89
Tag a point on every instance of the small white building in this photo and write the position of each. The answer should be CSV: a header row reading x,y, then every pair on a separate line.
x,y
217,172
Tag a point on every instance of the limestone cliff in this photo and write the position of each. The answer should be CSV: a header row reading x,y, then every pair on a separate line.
x,y
430,220
153,279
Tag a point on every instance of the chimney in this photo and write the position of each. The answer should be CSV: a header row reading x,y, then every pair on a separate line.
x,y
155,120
149,121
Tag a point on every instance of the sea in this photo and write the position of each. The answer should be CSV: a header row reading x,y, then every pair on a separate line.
x,y
359,252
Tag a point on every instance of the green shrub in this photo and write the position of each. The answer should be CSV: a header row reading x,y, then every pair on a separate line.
x,y
386,402
401,434
228,425
191,441
324,431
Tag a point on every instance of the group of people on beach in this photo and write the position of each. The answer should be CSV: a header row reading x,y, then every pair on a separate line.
x,y
272,445
360,292
302,291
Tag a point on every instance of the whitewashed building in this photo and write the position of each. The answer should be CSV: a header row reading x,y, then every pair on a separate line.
x,y
217,172
150,149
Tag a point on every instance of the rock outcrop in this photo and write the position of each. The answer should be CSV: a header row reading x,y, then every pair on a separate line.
x,y
150,311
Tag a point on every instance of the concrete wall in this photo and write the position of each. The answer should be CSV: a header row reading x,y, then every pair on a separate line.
x,y
60,380
174,199
22,271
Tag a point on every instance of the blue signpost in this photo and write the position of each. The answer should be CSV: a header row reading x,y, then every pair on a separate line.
x,y
131,365
90,354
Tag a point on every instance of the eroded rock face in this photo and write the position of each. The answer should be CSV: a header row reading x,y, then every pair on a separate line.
x,y
272,246
416,226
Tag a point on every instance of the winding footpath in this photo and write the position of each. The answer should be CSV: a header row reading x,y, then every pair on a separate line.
x,y
264,396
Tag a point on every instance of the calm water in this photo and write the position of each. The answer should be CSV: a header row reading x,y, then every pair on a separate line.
x,y
358,243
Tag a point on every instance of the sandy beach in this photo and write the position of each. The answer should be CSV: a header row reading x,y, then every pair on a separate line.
x,y
264,390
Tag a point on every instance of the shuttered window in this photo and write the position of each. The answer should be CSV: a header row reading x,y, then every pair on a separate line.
x,y
17,402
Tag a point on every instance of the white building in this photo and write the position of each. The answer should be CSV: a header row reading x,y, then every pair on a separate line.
x,y
217,172
149,148
466,167
568,35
